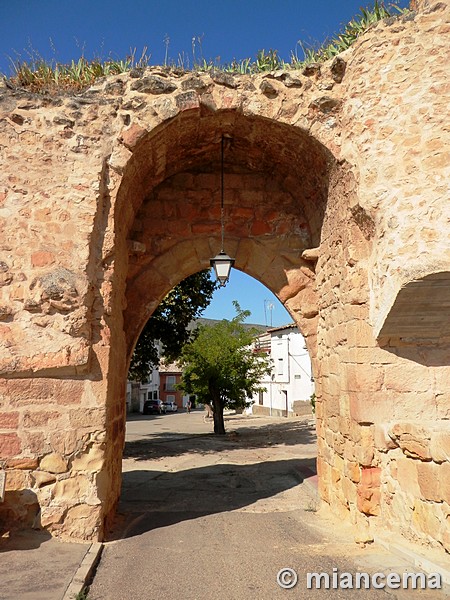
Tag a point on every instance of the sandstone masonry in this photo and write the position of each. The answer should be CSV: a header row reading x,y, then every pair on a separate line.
x,y
336,199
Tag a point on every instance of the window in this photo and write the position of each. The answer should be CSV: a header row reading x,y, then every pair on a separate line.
x,y
170,383
155,395
261,398
280,369
170,398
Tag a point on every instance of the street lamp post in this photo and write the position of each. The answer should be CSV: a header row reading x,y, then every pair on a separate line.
x,y
222,263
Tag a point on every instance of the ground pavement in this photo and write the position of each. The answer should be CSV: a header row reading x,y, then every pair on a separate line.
x,y
207,517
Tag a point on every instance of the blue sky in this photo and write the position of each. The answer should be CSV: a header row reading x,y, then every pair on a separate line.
x,y
64,29
230,29
265,308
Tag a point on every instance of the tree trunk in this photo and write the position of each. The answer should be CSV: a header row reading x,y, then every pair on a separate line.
x,y
219,424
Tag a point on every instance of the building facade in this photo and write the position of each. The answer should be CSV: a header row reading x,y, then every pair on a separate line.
x,y
169,378
290,384
138,393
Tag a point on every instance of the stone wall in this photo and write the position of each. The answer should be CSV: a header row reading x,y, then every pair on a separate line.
x,y
334,199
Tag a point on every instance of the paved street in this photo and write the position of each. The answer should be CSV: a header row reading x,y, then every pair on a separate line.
x,y
206,517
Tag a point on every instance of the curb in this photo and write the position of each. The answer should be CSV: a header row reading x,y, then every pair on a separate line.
x,y
417,559
84,571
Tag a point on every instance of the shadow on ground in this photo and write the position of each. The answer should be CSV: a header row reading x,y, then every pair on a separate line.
x,y
153,499
161,445
27,539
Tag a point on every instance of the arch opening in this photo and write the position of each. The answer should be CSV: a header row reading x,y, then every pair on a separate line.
x,y
290,388
167,221
276,181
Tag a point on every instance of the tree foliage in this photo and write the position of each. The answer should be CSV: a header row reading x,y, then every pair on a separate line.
x,y
170,322
220,367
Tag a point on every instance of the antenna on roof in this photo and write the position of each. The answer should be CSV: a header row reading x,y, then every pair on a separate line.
x,y
268,306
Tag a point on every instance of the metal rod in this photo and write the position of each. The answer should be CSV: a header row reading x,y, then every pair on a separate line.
x,y
221,195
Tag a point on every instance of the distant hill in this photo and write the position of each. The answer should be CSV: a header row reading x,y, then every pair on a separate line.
x,y
202,321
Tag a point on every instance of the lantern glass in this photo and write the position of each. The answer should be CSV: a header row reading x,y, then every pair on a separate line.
x,y
222,264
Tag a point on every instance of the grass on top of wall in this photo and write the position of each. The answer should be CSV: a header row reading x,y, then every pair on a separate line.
x,y
41,76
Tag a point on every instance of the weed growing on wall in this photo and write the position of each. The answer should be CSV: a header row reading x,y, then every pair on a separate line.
x,y
38,75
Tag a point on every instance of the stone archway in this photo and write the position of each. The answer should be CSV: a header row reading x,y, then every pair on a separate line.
x,y
275,198
276,193
113,199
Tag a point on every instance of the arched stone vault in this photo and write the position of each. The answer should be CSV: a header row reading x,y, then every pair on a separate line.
x,y
276,187
336,198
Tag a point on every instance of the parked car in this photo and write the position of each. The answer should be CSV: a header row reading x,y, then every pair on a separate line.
x,y
155,407
170,406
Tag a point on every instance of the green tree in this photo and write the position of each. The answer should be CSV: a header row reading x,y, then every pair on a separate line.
x,y
170,322
220,367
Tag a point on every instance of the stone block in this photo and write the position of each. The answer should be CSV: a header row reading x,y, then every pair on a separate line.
x,y
131,136
370,407
407,377
42,478
413,439
34,442
353,471
444,483
383,442
9,445
428,475
332,422
324,479
92,460
66,441
42,259
39,418
349,490
368,491
51,516
187,100
365,447
427,519
16,480
349,451
53,463
71,490
103,486
446,535
339,443
407,475
119,159
9,420
363,356
344,425
335,476
440,445
443,407
83,522
414,406
22,463
90,417
365,378
361,528
331,404
360,334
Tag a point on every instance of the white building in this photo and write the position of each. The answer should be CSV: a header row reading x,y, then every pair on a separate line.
x,y
138,393
290,385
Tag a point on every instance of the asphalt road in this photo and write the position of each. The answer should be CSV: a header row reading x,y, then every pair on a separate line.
x,y
206,517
